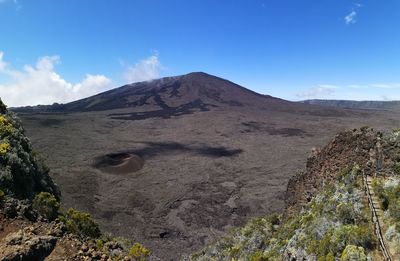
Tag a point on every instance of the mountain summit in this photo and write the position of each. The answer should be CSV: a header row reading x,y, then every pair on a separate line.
x,y
179,95
195,89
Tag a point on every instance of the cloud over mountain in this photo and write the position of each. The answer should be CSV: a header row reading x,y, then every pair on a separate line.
x,y
319,91
144,70
41,84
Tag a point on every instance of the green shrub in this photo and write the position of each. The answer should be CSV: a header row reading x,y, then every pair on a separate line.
x,y
80,223
361,235
391,201
99,244
378,188
345,212
258,256
274,219
323,246
397,227
139,252
330,257
396,130
381,194
4,148
394,208
22,175
344,172
352,252
46,205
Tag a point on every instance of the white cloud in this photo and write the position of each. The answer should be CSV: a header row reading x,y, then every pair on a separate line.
x,y
351,18
320,91
40,84
360,92
375,85
92,84
144,70
386,85
3,64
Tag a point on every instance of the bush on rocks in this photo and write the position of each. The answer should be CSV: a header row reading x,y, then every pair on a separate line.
x,y
80,223
46,205
139,252
352,252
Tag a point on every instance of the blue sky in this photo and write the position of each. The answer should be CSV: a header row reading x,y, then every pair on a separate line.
x,y
61,50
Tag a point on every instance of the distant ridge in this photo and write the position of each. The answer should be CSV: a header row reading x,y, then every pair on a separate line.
x,y
349,104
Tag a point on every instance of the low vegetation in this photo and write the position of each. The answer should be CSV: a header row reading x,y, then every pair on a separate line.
x,y
388,192
139,252
22,174
80,223
335,224
46,205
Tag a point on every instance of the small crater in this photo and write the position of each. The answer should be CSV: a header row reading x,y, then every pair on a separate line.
x,y
119,163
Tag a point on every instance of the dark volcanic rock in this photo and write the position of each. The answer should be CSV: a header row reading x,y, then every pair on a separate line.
x,y
324,165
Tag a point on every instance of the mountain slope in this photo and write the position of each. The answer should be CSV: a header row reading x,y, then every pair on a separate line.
x,y
179,95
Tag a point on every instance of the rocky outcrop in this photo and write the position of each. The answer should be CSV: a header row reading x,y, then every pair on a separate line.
x,y
25,240
26,245
324,166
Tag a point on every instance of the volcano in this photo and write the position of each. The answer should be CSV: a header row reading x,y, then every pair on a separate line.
x,y
179,95
175,163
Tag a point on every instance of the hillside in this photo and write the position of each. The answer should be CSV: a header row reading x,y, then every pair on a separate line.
x,y
368,105
348,192
174,177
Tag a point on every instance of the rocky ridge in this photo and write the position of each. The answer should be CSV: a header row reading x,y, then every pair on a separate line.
x,y
324,165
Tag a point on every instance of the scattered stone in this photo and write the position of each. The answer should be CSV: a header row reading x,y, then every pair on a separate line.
x,y
25,245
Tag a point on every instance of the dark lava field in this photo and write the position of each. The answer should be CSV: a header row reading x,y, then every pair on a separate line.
x,y
175,163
